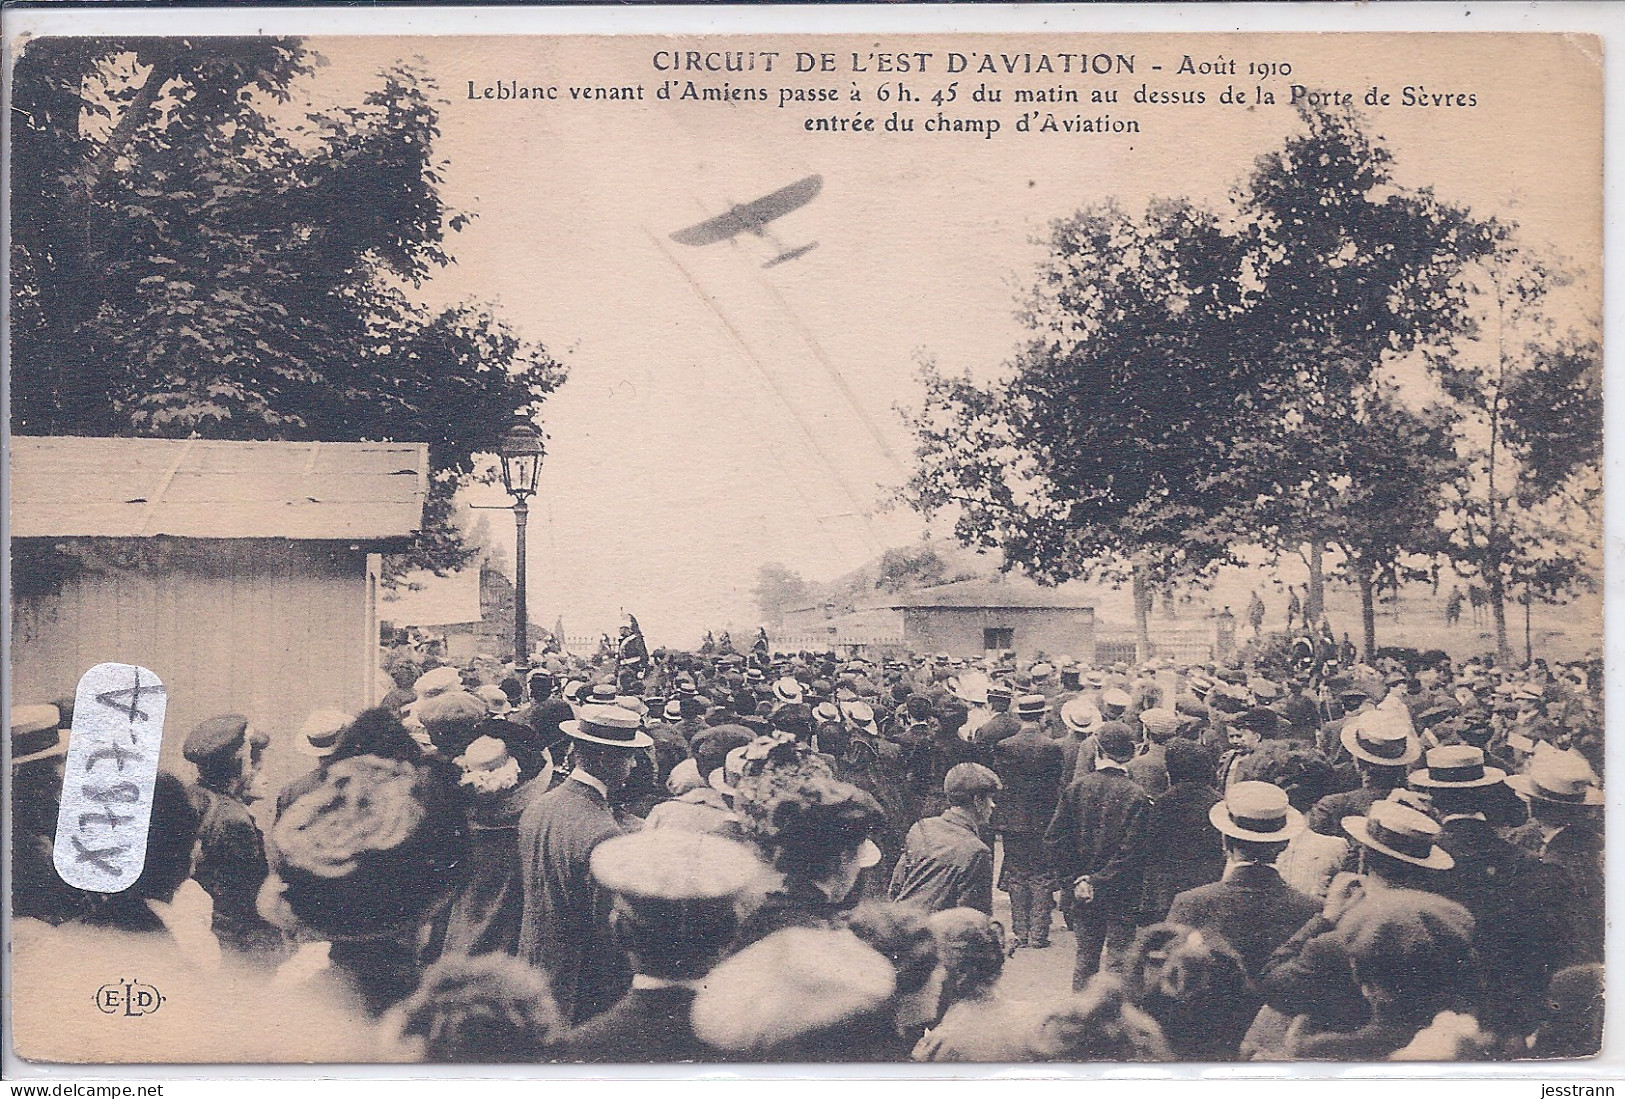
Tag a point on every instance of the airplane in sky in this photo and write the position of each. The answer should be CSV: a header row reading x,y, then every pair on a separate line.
x,y
753,217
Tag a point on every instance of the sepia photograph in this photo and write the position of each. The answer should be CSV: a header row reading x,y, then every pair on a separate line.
x,y
898,548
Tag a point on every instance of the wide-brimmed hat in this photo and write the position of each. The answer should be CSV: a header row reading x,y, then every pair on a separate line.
x,y
972,688
35,733
1256,811
1081,716
1401,833
319,735
1260,719
859,713
1032,706
495,699
787,689
1456,767
1559,777
722,779
611,725
437,681
1379,737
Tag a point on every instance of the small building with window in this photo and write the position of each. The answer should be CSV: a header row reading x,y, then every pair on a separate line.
x,y
973,617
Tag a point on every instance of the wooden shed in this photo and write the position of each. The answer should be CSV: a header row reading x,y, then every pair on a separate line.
x,y
245,574
972,617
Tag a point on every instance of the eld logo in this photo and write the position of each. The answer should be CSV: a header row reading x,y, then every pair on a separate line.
x,y
128,998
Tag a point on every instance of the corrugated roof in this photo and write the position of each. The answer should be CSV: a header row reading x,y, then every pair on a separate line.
x,y
1010,594
69,486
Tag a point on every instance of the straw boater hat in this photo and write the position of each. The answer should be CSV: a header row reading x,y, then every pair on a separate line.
x,y
1257,811
319,735
1160,723
1033,706
1081,716
1401,833
1558,777
609,725
787,689
35,733
1381,737
1456,767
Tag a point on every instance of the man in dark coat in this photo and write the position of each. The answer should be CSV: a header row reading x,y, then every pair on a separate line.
x,y
1003,723
564,929
1029,765
1383,748
1096,846
1565,831
231,864
1520,935
945,862
1182,851
676,896
1251,908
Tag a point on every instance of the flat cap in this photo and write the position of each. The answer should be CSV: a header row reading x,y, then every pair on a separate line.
x,y
216,737
970,778
672,865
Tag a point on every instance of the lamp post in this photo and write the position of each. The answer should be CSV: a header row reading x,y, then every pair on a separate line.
x,y
521,454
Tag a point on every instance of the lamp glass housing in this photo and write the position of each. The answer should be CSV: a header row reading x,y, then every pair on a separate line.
x,y
521,454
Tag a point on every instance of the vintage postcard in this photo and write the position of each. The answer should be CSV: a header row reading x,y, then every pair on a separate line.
x,y
913,547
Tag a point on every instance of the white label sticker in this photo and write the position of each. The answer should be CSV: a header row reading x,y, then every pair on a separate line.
x,y
108,780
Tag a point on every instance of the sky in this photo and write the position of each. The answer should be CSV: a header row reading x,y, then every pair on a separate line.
x,y
719,415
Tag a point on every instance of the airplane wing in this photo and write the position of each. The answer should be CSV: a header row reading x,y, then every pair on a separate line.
x,y
794,253
750,217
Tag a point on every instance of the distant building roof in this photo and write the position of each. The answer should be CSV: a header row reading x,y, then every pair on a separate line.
x,y
450,600
1011,594
70,486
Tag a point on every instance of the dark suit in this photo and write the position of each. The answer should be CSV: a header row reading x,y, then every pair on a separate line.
x,y
945,865
1030,766
1326,816
1182,850
1252,909
564,928
1150,769
231,866
649,1026
1098,832
1522,927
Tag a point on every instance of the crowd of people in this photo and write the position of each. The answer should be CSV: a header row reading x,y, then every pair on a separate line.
x,y
718,856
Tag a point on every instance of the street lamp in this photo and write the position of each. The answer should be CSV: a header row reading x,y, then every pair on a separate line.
x,y
521,454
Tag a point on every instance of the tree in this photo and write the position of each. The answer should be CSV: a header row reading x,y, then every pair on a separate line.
x,y
1094,454
778,589
199,250
1354,272
1523,510
1393,465
907,569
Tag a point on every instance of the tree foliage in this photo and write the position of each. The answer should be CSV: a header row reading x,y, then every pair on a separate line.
x,y
1195,381
1094,454
1523,510
198,249
779,589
